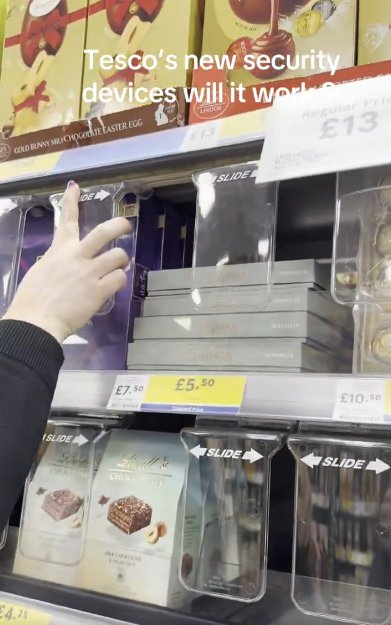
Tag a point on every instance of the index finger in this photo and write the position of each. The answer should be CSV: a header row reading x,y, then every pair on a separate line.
x,y
68,221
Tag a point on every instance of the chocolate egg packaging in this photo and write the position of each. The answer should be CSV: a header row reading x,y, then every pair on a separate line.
x,y
374,33
269,39
3,13
142,30
42,69
361,276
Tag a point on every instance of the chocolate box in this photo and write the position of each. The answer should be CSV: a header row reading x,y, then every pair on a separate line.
x,y
302,39
145,28
374,34
3,13
134,525
54,517
42,65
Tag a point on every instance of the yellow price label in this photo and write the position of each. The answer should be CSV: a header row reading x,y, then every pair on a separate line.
x,y
32,165
204,392
20,615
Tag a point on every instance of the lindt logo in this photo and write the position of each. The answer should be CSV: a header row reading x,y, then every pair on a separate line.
x,y
133,463
5,152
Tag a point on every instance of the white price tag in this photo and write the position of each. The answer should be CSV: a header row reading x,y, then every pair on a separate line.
x,y
128,392
202,136
334,128
360,401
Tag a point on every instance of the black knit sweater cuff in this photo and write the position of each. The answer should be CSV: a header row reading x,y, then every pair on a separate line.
x,y
33,347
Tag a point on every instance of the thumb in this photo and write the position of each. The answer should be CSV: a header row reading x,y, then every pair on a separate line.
x,y
67,221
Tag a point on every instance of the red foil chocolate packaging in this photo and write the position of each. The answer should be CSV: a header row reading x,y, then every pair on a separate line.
x,y
144,30
270,39
42,65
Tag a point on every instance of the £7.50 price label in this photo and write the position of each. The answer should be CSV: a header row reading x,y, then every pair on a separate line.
x,y
333,128
197,393
128,392
20,615
360,401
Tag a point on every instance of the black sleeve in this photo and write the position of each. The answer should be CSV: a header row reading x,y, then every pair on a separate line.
x,y
30,360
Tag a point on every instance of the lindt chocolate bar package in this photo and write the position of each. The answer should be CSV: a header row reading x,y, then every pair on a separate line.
x,y
51,538
134,527
142,28
54,512
274,40
42,70
3,14
102,343
374,34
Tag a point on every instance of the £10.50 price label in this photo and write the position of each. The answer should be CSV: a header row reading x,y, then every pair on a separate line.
x,y
20,615
128,392
333,128
197,393
360,401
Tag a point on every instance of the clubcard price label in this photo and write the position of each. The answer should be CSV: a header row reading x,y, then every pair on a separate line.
x,y
202,136
334,128
128,392
360,401
20,615
200,393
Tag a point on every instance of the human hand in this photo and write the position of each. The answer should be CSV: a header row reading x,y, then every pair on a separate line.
x,y
73,280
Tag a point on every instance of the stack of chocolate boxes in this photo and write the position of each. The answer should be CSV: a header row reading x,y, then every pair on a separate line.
x,y
300,329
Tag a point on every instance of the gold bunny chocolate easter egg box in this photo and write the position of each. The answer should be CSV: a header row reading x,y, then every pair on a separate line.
x,y
42,69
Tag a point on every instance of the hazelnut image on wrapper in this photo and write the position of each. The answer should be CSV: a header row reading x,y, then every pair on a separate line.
x,y
158,531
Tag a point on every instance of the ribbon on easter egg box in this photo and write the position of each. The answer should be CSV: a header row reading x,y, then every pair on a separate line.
x,y
33,101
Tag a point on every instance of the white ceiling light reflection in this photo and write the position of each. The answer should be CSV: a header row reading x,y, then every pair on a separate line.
x,y
75,339
206,193
184,322
196,297
263,247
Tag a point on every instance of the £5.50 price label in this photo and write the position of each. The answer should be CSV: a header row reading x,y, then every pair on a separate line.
x,y
128,392
333,128
197,393
20,615
360,401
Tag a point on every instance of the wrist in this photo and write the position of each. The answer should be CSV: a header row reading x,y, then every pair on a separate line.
x,y
41,321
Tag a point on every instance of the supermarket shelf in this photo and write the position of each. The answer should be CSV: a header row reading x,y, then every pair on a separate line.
x,y
240,136
304,397
275,608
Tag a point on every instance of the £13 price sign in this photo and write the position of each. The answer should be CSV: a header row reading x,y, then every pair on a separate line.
x,y
195,393
333,128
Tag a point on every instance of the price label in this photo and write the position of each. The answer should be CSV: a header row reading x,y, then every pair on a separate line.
x,y
199,393
128,392
202,136
334,128
19,615
360,401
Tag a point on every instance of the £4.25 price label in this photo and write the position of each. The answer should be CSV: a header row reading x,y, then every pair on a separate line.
x,y
333,128
198,393
360,401
20,615
128,392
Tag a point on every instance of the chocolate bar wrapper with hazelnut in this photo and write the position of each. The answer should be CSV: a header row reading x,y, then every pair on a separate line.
x,y
130,514
61,504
